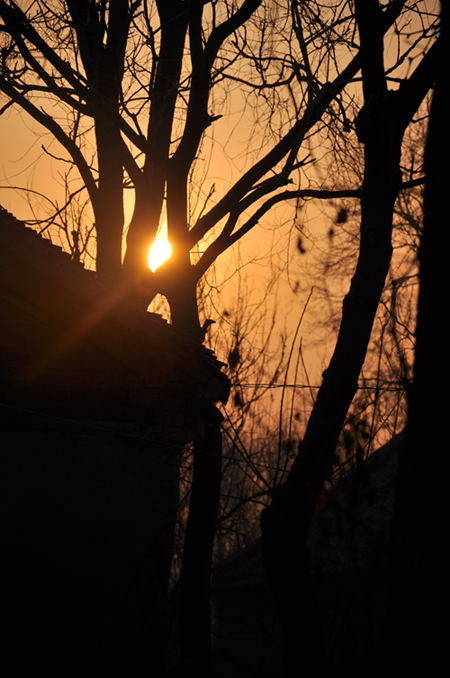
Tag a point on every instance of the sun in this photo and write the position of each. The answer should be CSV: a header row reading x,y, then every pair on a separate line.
x,y
159,252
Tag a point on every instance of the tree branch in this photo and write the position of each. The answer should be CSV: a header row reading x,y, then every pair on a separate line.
x,y
59,134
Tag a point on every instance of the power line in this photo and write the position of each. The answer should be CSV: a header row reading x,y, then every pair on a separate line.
x,y
391,386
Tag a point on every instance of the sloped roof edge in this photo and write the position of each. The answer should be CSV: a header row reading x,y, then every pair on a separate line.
x,y
75,316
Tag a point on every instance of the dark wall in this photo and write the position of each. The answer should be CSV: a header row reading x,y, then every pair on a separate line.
x,y
87,517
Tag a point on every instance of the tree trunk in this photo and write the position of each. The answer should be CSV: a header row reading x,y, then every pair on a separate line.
x,y
195,638
415,627
176,279
285,522
109,215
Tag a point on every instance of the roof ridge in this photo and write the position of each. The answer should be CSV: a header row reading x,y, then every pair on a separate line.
x,y
95,298
46,241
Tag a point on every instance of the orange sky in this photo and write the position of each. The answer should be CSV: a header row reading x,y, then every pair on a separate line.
x,y
269,251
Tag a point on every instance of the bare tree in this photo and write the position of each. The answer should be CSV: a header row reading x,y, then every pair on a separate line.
x,y
380,125
134,86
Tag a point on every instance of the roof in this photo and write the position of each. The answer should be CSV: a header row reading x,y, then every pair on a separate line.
x,y
68,335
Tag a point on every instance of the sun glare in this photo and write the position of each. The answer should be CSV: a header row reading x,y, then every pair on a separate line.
x,y
159,252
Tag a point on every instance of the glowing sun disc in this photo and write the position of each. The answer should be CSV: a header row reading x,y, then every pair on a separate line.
x,y
160,251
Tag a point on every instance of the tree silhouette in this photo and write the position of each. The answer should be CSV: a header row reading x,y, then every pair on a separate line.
x,y
128,90
380,126
131,92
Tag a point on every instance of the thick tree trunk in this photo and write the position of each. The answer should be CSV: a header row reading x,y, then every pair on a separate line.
x,y
285,522
176,279
195,638
109,214
415,627
102,50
